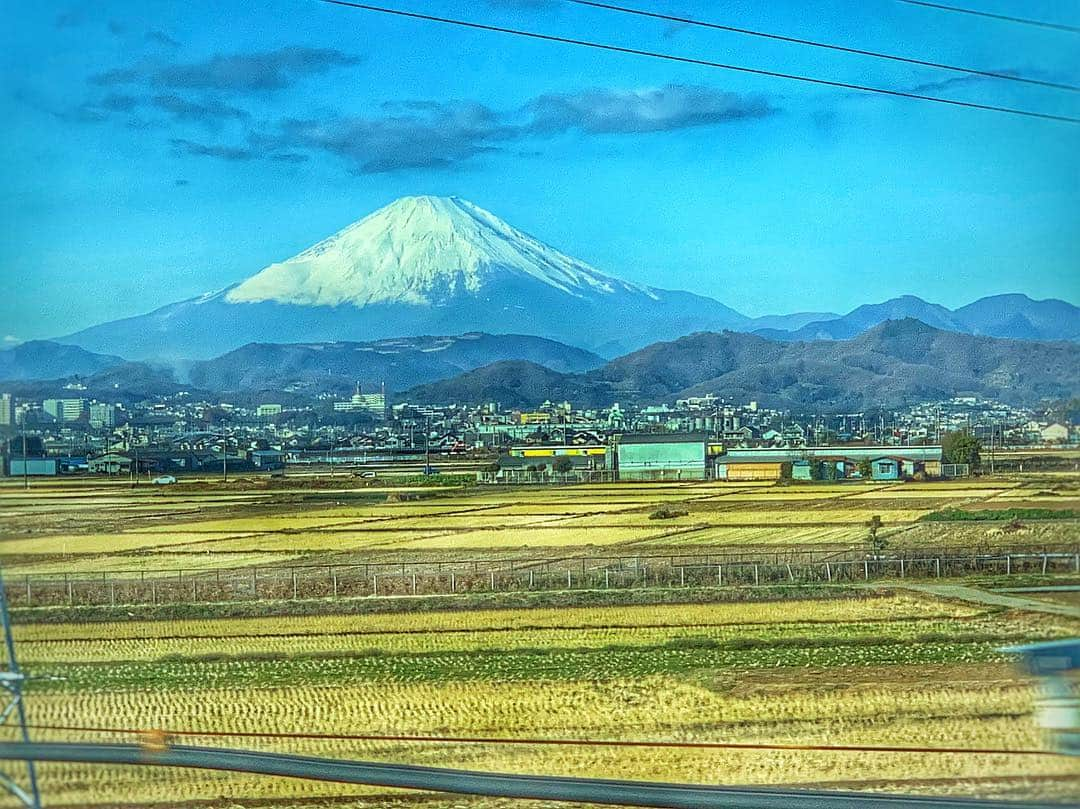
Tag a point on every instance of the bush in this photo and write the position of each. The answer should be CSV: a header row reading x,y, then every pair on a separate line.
x,y
666,512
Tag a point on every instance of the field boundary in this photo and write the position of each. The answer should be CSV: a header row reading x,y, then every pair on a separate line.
x,y
378,580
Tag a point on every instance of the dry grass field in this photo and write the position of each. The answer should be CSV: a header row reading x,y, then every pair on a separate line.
x,y
864,666
874,670
85,528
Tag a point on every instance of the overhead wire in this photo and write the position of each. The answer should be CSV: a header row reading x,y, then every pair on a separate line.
x,y
416,15
990,74
1072,29
157,734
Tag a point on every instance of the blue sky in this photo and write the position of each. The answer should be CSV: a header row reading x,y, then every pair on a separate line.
x,y
156,150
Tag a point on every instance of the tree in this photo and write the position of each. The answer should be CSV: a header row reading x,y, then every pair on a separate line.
x,y
866,469
562,465
961,447
877,543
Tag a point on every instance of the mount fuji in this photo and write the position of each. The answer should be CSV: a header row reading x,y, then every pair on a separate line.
x,y
420,266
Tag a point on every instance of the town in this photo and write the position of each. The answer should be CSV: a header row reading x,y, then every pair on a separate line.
x,y
697,438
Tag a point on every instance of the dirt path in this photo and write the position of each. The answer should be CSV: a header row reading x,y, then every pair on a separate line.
x,y
977,596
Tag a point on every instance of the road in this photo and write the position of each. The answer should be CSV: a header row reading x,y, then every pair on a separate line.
x,y
994,599
578,790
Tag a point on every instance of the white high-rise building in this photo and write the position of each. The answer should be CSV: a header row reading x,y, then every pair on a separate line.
x,y
7,410
65,410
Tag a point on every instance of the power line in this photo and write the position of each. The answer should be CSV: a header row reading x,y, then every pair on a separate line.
x,y
1072,29
700,62
990,74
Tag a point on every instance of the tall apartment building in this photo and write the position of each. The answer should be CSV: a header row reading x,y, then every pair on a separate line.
x,y
65,410
102,415
7,410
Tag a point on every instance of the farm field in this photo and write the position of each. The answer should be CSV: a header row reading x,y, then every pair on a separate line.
x,y
86,528
874,667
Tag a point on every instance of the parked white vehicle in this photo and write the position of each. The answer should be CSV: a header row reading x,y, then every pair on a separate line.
x,y
163,480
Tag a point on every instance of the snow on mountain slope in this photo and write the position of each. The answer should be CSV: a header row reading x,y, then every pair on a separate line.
x,y
421,251
421,265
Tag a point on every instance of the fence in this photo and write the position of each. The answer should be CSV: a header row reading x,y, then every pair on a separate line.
x,y
446,578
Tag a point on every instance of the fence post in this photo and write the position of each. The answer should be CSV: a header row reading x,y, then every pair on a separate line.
x,y
1044,564
757,578
937,566
828,572
70,589
153,592
719,575
375,584
194,590
295,588
1076,569
607,578
492,574
866,569
414,584
1008,564
254,583
790,574
901,567
682,576
333,579
112,592
29,600
569,583
453,582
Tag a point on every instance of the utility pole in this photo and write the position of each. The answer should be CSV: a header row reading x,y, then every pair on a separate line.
x,y
427,446
25,468
11,681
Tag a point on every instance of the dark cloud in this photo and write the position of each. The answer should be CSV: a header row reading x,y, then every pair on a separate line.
x,y
207,111
181,182
675,106
435,135
119,75
119,102
251,72
161,38
230,153
232,73
424,134
72,18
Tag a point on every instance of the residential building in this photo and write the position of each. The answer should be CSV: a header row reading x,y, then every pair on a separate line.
x,y
1054,434
267,411
102,415
65,410
7,410
111,463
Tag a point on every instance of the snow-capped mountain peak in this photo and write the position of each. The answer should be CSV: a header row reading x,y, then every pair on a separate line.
x,y
423,251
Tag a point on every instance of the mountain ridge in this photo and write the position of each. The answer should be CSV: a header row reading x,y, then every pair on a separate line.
x,y
896,362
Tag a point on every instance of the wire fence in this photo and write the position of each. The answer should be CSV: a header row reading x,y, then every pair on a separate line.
x,y
427,577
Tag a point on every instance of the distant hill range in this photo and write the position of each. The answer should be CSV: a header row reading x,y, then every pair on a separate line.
x,y
892,363
42,359
442,265
1016,317
399,363
301,370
